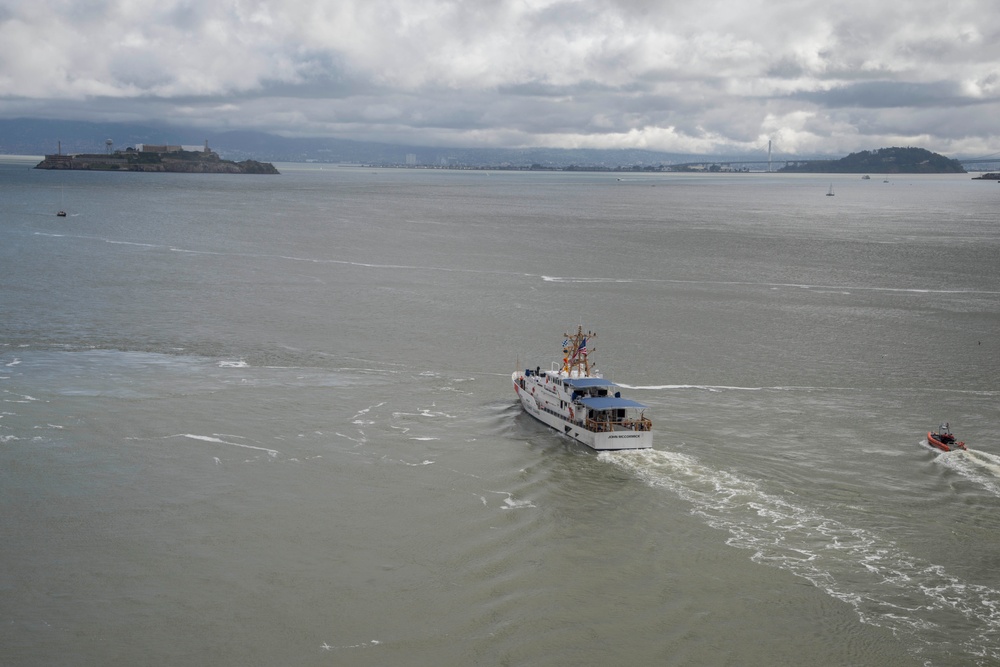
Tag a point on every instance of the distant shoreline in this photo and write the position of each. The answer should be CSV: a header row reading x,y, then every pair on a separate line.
x,y
32,160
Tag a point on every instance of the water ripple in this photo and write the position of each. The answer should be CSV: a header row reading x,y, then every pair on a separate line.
x,y
886,586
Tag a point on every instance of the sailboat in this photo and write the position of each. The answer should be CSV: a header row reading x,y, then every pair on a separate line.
x,y
62,210
830,193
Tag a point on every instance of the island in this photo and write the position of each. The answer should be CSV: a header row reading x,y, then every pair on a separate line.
x,y
882,161
156,158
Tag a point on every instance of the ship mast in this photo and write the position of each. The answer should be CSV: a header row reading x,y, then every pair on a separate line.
x,y
576,353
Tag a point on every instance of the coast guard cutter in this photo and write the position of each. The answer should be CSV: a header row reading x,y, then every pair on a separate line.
x,y
574,398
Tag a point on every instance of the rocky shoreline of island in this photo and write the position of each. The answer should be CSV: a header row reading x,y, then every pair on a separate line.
x,y
147,158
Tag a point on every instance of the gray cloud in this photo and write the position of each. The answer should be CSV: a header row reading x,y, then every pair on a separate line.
x,y
891,94
673,76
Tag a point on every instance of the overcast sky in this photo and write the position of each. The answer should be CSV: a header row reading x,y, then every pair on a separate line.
x,y
705,76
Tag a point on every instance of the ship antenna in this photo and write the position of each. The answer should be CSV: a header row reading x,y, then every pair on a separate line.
x,y
578,352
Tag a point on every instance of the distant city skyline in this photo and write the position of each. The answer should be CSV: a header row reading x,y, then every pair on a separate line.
x,y
38,137
700,78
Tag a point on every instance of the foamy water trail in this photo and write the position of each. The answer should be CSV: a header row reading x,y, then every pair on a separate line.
x,y
985,460
836,289
703,387
886,586
806,389
839,289
217,440
977,466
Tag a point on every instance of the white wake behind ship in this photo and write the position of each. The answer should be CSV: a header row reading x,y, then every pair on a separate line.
x,y
575,399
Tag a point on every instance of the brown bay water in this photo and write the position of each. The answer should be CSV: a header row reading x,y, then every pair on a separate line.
x,y
268,420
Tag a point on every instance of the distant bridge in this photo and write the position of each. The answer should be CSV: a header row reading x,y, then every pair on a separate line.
x,y
985,163
974,164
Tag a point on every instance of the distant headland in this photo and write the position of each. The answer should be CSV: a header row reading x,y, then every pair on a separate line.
x,y
882,161
156,158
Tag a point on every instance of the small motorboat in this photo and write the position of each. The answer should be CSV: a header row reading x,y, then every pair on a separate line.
x,y
943,439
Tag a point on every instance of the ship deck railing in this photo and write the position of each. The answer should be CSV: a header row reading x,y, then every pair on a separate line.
x,y
608,425
605,425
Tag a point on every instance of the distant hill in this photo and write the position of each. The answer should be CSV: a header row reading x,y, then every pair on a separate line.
x,y
882,161
25,136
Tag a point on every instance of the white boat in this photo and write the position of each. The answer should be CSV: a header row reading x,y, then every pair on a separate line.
x,y
575,399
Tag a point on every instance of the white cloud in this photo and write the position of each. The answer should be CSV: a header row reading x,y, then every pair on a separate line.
x,y
675,75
